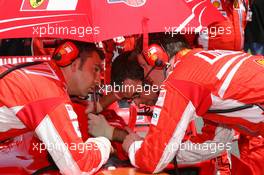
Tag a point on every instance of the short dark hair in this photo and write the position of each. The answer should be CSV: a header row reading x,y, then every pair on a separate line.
x,y
87,48
125,66
171,44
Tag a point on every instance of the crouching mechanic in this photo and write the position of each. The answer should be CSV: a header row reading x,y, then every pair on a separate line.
x,y
34,97
219,86
120,75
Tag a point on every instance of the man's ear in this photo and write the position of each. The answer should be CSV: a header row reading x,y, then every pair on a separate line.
x,y
75,65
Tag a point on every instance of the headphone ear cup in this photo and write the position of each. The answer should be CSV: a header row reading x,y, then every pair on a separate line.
x,y
156,56
65,54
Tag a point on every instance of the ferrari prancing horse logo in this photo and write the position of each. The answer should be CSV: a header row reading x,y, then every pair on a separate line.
x,y
132,3
36,3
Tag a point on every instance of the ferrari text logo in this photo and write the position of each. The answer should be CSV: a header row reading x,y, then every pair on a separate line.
x,y
36,3
132,3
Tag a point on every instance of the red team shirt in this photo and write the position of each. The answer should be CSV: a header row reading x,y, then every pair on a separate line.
x,y
35,99
202,80
229,33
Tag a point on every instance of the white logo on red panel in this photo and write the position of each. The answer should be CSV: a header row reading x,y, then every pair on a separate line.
x,y
48,5
131,3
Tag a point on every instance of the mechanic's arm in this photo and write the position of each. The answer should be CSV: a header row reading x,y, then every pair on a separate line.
x,y
98,126
170,119
104,102
119,135
202,148
57,127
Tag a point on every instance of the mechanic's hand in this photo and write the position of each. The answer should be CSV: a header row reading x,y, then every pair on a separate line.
x,y
92,109
132,137
98,126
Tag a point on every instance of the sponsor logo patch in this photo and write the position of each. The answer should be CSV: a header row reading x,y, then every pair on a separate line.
x,y
34,5
217,4
236,4
48,5
131,3
71,112
260,62
73,117
161,98
155,116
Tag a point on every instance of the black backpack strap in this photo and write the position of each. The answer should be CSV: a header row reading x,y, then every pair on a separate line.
x,y
18,66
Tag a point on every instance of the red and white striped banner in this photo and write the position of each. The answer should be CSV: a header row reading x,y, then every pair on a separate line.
x,y
22,59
